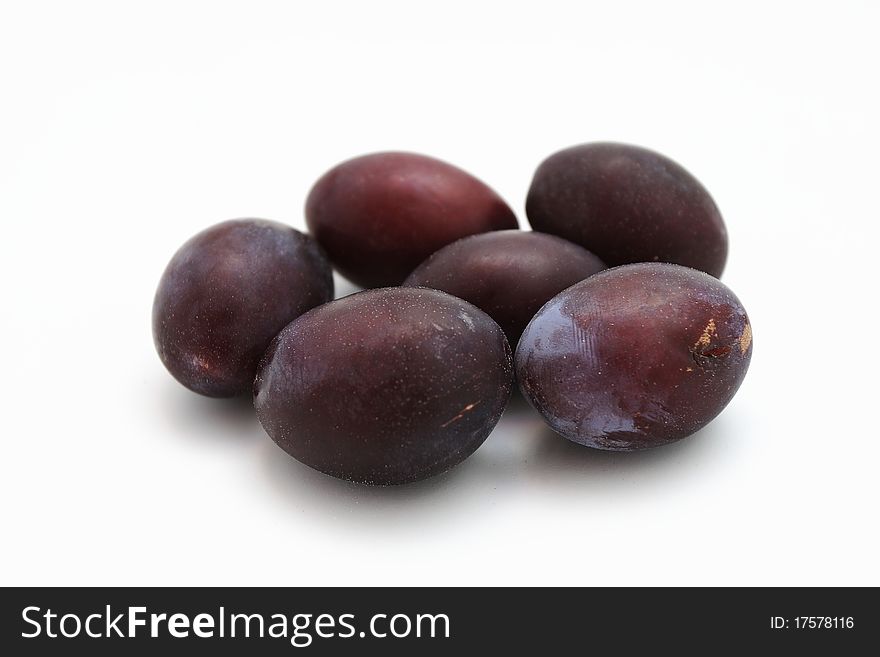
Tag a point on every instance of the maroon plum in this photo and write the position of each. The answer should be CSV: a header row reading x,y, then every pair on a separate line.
x,y
509,274
627,204
226,293
385,386
379,216
636,356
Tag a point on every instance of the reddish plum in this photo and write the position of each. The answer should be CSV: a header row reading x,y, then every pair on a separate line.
x,y
509,274
226,293
385,386
379,216
636,356
628,204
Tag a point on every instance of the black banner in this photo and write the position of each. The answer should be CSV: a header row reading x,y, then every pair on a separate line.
x,y
113,621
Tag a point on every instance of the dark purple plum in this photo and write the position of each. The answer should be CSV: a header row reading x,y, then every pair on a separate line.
x,y
627,204
509,274
226,293
385,386
636,356
379,216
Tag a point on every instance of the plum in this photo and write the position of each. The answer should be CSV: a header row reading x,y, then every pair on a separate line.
x,y
226,293
636,356
628,204
509,274
386,386
379,216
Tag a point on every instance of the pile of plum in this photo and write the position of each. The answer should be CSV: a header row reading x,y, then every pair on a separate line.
x,y
609,314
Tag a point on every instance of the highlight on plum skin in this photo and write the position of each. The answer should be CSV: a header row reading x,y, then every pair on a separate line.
x,y
634,357
226,293
508,274
379,216
628,204
385,386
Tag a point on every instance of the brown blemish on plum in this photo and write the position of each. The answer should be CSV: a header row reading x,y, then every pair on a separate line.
x,y
706,338
745,340
704,349
717,352
460,415
201,363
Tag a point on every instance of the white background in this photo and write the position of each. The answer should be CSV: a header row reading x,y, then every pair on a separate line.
x,y
127,127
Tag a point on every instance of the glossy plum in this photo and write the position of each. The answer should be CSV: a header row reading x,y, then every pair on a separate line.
x,y
509,274
385,386
628,204
636,356
226,293
379,216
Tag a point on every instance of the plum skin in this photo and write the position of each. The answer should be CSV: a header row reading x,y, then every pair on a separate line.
x,y
628,204
226,293
379,216
634,357
508,274
385,386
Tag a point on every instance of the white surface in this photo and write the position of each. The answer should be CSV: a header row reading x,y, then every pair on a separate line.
x,y
127,127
